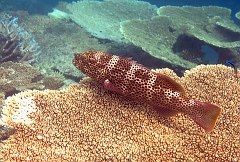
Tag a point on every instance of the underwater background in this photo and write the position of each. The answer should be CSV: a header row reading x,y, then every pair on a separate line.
x,y
45,6
50,110
207,54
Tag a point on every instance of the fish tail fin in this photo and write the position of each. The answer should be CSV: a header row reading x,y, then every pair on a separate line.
x,y
207,115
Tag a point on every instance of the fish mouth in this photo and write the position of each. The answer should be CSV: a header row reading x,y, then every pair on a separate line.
x,y
80,61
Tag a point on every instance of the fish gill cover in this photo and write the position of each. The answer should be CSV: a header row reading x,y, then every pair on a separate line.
x,y
16,44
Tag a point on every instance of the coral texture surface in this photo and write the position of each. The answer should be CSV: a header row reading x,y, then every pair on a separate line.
x,y
85,122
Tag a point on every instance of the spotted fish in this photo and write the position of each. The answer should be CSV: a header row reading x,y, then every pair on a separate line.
x,y
126,77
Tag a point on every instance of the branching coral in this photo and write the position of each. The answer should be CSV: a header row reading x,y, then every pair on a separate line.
x,y
15,43
88,123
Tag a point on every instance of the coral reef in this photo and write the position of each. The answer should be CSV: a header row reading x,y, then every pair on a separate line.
x,y
15,43
167,36
210,24
66,39
17,77
88,123
53,81
2,98
102,19
157,37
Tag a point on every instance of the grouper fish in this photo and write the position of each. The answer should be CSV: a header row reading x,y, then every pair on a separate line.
x,y
130,79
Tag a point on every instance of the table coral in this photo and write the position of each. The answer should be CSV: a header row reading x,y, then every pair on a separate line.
x,y
53,81
210,24
177,34
88,123
157,37
102,19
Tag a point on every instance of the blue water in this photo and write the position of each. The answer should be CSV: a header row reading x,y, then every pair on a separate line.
x,y
211,56
234,5
47,5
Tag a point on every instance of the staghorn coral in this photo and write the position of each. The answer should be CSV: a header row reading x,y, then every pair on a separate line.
x,y
102,19
88,123
15,43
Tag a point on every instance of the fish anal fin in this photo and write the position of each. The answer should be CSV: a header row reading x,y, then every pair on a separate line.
x,y
111,87
165,112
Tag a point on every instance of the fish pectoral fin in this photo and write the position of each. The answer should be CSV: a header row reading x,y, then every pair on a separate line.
x,y
165,112
111,87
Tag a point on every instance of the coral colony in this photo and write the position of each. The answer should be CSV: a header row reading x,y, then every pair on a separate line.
x,y
84,122
16,44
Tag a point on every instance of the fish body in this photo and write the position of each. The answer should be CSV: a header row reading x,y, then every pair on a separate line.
x,y
125,76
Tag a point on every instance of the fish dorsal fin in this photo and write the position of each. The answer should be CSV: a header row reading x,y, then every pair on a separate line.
x,y
134,62
171,83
